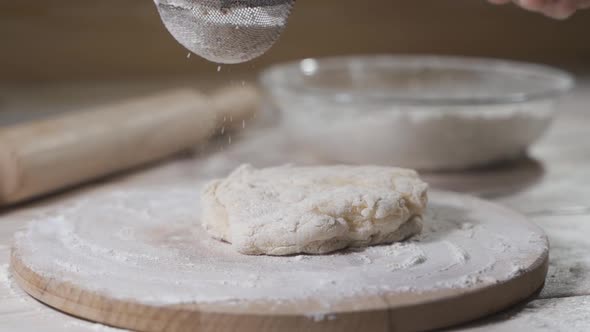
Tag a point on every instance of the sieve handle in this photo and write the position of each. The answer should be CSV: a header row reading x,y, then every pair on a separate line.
x,y
44,156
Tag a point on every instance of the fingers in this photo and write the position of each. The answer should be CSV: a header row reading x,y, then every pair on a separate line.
x,y
559,9
535,5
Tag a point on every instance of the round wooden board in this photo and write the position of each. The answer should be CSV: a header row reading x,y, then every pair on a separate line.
x,y
136,260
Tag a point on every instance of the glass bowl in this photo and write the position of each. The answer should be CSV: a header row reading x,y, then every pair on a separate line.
x,y
423,112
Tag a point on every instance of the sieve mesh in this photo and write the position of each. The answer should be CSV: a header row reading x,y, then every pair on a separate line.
x,y
226,31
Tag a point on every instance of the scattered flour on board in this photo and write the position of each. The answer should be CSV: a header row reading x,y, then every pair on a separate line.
x,y
180,263
458,253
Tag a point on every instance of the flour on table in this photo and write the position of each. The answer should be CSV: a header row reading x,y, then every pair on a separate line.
x,y
288,210
80,324
4,278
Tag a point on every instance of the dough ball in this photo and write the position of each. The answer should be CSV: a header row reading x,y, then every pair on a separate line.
x,y
316,210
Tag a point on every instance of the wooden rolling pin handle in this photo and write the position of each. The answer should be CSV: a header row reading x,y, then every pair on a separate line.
x,y
41,157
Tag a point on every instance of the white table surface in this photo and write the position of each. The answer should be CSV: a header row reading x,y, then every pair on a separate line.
x,y
559,202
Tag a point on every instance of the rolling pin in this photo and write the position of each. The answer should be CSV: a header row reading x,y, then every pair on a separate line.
x,y
41,157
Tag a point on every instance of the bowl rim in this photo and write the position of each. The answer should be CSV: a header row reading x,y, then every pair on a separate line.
x,y
274,78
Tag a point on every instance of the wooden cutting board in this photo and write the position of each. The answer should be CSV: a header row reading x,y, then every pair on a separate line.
x,y
134,258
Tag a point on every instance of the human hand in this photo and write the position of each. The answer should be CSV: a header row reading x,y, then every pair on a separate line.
x,y
559,9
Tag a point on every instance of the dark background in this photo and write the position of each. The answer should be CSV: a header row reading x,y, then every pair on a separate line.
x,y
104,39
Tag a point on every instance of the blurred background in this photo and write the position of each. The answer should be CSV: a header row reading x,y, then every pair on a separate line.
x,y
57,40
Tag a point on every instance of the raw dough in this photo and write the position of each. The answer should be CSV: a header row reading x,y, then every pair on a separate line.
x,y
289,210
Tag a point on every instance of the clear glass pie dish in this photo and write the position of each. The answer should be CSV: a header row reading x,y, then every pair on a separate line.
x,y
423,112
